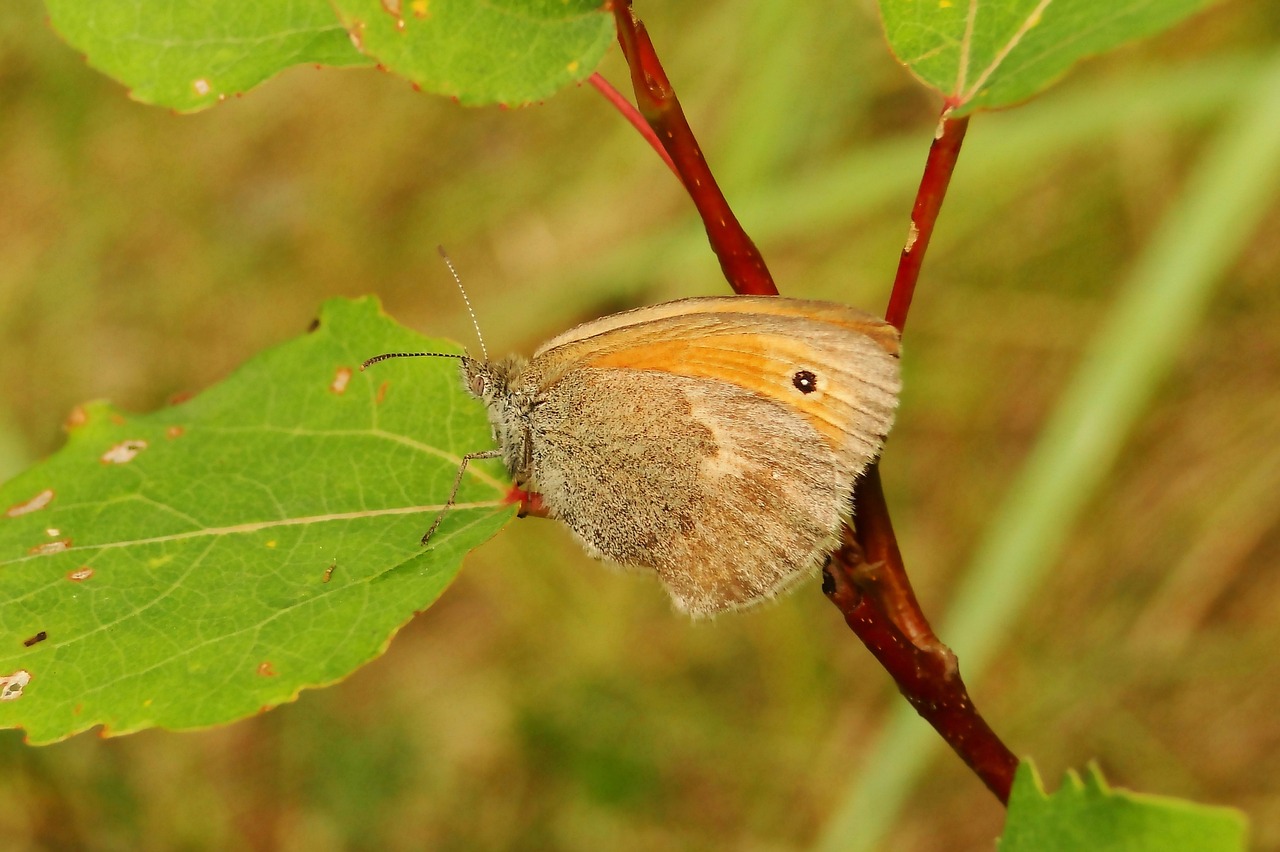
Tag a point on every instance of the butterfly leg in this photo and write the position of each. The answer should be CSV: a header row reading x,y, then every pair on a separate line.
x,y
457,483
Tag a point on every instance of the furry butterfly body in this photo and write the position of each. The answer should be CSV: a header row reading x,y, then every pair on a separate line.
x,y
712,440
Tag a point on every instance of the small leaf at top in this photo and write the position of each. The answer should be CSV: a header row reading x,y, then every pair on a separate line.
x,y
508,52
996,53
195,565
190,54
1087,816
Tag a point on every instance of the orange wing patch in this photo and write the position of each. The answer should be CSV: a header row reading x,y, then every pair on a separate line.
x,y
762,364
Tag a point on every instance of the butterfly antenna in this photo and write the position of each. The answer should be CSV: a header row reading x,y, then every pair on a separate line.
x,y
467,301
384,356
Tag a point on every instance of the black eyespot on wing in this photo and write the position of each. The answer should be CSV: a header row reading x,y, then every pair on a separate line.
x,y
805,381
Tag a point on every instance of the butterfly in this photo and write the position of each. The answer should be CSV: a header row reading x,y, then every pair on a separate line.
x,y
713,441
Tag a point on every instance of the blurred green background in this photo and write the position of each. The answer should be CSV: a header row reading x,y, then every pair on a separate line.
x,y
545,702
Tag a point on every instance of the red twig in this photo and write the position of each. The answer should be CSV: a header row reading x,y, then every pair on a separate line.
x,y
924,214
739,258
631,114
866,578
869,581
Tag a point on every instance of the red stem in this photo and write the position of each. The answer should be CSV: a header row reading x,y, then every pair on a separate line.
x,y
866,578
631,114
924,214
867,582
740,260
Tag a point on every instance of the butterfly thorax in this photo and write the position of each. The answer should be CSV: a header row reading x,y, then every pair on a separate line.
x,y
496,383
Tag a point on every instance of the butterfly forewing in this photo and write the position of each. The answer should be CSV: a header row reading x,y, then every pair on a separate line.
x,y
838,371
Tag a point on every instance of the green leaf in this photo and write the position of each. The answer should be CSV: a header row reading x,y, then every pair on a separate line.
x,y
995,53
191,54
1089,815
198,564
502,51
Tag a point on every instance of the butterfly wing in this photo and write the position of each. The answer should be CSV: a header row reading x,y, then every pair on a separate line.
x,y
685,443
831,364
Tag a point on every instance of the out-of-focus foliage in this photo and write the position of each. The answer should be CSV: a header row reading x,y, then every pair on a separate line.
x,y
545,701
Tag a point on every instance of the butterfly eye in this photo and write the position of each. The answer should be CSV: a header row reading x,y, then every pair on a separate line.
x,y
805,381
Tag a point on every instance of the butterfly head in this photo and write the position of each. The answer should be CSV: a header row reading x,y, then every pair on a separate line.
x,y
496,384
490,381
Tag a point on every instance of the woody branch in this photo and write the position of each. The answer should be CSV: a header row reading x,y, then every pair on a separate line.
x,y
866,578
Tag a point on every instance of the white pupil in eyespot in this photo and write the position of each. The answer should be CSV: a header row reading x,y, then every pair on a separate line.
x,y
805,381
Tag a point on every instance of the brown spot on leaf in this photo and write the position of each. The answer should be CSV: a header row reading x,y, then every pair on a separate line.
x,y
80,574
124,452
340,380
382,393
174,432
34,504
265,669
35,640
180,397
76,418
395,8
50,547
11,686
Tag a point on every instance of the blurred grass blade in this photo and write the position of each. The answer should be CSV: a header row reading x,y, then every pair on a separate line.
x,y
1157,310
